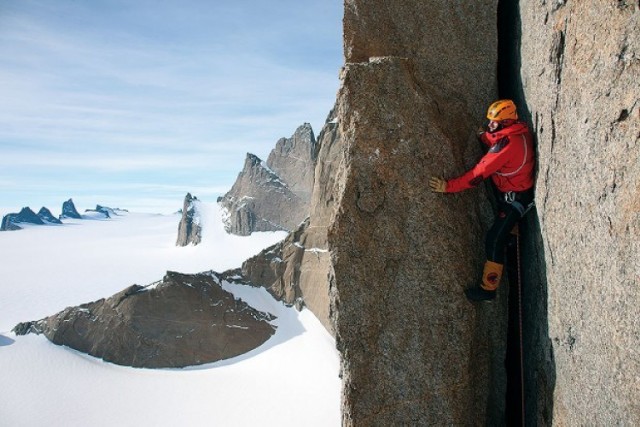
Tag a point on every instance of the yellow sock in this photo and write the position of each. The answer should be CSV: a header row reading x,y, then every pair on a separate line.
x,y
491,276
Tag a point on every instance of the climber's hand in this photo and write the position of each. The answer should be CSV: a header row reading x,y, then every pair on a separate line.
x,y
438,185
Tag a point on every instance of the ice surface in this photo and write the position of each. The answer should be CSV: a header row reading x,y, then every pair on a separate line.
x,y
289,380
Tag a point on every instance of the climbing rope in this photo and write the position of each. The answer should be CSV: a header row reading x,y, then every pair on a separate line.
x,y
519,266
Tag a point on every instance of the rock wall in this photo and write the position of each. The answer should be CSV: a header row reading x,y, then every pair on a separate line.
x,y
416,83
579,68
417,78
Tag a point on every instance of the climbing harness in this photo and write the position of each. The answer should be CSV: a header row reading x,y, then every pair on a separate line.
x,y
510,198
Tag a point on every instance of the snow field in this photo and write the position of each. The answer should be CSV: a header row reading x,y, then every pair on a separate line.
x,y
291,380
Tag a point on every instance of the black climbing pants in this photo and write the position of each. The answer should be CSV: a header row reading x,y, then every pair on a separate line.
x,y
511,208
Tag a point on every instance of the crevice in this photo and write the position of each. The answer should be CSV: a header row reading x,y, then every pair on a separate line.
x,y
528,336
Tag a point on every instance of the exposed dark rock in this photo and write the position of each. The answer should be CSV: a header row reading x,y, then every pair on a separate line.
x,y
182,320
277,268
189,229
69,210
106,211
26,216
45,215
8,224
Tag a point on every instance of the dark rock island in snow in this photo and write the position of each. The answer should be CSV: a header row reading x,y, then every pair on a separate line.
x,y
46,216
69,210
182,320
25,216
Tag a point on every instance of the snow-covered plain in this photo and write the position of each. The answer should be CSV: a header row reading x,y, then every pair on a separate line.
x,y
291,380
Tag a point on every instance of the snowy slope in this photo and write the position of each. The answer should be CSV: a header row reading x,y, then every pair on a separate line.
x,y
291,380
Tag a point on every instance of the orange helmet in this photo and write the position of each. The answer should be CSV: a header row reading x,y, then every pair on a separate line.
x,y
502,109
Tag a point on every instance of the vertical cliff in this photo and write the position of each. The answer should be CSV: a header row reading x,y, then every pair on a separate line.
x,y
417,80
579,74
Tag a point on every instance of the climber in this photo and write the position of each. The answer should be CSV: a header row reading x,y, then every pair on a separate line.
x,y
510,163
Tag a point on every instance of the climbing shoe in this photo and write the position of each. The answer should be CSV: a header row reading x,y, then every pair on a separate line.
x,y
479,294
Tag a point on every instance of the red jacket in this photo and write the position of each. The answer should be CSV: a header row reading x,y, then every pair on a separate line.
x,y
510,161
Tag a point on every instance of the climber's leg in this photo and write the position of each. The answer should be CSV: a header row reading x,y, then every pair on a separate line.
x,y
496,239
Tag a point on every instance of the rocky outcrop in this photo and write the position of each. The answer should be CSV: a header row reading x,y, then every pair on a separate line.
x,y
260,201
11,221
182,320
189,228
277,268
47,217
296,270
577,74
8,224
274,195
417,80
69,210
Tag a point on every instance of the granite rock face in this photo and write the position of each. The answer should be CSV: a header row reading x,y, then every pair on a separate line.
x,y
69,210
189,228
416,83
274,195
182,320
579,68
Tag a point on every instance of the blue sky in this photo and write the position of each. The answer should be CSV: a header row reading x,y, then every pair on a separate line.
x,y
133,103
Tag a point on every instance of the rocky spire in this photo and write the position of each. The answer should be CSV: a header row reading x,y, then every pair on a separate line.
x,y
69,210
294,159
46,216
189,229
260,200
